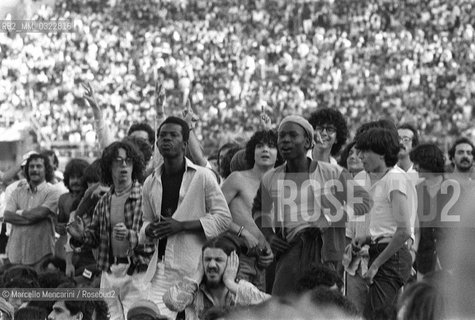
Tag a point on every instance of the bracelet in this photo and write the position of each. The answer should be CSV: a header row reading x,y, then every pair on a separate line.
x,y
240,231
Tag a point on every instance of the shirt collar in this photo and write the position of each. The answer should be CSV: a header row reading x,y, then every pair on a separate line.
x,y
189,165
39,187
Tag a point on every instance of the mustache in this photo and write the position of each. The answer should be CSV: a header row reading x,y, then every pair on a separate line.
x,y
212,269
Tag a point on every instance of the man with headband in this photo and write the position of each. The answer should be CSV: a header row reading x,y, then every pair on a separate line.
x,y
299,202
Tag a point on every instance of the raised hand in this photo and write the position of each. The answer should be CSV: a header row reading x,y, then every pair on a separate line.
x,y
265,119
160,97
91,100
189,115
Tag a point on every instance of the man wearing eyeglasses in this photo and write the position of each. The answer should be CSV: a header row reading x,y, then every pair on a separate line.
x,y
115,225
409,139
330,134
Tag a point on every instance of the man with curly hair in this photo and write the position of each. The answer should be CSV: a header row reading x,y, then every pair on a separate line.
x,y
115,225
330,134
239,189
30,210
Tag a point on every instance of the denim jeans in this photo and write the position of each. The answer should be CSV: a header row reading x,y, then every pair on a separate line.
x,y
391,276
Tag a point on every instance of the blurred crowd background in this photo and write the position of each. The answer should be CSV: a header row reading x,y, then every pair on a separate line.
x,y
411,61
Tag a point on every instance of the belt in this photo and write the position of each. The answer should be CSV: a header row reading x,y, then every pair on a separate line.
x,y
381,240
120,260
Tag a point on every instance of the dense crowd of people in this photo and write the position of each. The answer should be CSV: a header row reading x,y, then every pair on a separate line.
x,y
409,61
266,159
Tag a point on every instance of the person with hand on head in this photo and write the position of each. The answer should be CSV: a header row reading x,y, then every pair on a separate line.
x,y
214,282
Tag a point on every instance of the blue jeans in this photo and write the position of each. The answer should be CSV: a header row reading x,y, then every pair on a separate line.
x,y
391,276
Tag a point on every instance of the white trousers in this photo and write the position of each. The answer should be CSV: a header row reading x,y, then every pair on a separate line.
x,y
159,285
128,289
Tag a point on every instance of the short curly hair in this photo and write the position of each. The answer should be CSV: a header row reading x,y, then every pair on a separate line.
x,y
74,168
268,137
49,170
334,117
111,152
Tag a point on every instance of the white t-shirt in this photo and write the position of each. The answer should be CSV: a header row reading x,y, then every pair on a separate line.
x,y
382,222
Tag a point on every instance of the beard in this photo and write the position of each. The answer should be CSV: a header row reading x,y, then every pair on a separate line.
x,y
213,283
464,165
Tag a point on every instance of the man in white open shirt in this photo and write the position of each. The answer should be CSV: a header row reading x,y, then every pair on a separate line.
x,y
183,206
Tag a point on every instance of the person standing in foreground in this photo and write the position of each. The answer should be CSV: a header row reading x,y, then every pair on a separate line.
x,y
390,220
31,209
239,189
115,225
296,203
183,206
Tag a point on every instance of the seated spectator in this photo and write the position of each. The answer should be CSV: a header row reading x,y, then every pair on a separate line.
x,y
215,277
